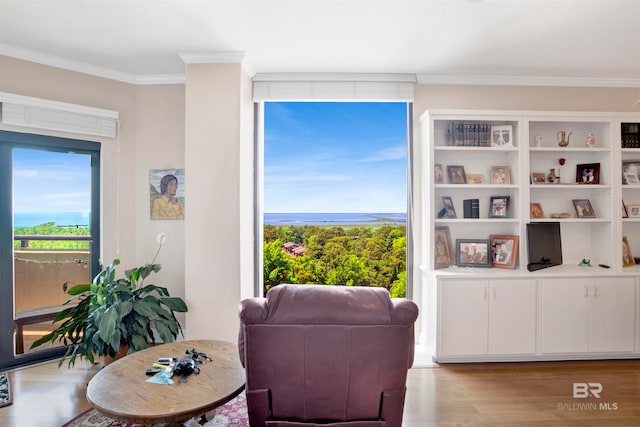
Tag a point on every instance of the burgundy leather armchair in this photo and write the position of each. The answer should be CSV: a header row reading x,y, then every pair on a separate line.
x,y
320,355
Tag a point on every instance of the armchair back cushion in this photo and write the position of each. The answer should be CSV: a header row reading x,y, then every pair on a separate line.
x,y
318,354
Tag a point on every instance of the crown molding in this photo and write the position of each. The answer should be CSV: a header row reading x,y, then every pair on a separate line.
x,y
335,77
212,57
452,79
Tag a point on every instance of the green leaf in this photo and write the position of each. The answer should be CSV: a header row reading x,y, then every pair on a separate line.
x,y
175,304
163,329
108,324
144,308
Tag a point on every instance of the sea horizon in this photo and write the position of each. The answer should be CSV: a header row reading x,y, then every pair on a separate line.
x,y
335,218
32,219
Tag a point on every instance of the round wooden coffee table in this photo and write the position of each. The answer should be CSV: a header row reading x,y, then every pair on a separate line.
x,y
120,390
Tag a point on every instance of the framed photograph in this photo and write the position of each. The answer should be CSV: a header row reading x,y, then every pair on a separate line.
x,y
536,210
633,211
448,211
456,175
499,207
504,251
500,175
502,136
631,167
473,253
583,208
166,193
631,178
627,258
538,178
443,249
625,214
475,178
588,173
438,174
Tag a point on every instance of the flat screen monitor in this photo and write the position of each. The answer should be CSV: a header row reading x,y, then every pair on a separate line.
x,y
544,245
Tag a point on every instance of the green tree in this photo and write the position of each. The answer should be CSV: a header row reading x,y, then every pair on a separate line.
x,y
277,266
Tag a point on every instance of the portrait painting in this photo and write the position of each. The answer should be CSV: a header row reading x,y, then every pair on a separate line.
x,y
166,193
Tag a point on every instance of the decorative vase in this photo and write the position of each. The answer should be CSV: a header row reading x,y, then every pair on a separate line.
x,y
563,138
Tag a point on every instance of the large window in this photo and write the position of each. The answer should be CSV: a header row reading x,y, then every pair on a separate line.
x,y
335,194
49,235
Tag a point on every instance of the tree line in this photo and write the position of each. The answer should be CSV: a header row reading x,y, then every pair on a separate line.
x,y
51,229
351,256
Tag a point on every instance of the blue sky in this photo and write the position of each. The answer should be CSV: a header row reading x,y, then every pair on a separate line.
x,y
319,157
45,181
335,157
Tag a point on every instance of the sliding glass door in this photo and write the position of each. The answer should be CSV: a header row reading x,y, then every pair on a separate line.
x,y
49,228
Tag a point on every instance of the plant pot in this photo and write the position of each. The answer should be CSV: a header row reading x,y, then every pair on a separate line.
x,y
122,352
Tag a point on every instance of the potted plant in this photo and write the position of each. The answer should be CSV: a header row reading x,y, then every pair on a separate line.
x,y
111,312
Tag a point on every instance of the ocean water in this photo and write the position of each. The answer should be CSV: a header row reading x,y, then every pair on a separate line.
x,y
335,218
30,219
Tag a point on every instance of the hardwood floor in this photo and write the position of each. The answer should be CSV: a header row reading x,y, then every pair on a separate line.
x,y
490,394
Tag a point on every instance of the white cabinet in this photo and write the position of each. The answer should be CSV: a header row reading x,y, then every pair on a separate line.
x,y
486,317
594,315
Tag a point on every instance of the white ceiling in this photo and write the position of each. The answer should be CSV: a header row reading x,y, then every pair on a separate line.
x,y
590,41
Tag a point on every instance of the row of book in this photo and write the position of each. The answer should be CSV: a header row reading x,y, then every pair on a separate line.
x,y
469,134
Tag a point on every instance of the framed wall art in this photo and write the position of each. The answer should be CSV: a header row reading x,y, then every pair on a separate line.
x,y
504,251
588,173
473,253
443,250
166,193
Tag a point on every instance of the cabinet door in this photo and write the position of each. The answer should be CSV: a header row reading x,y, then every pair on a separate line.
x,y
463,317
612,314
564,315
512,316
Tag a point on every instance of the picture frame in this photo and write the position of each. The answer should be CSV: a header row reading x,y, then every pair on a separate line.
x,y
473,253
500,175
630,178
504,251
583,208
166,194
630,167
538,178
443,249
499,207
633,211
625,214
449,210
627,257
502,136
588,173
456,174
536,211
438,174
475,178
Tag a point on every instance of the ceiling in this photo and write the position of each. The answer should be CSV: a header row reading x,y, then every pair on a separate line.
x,y
590,41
